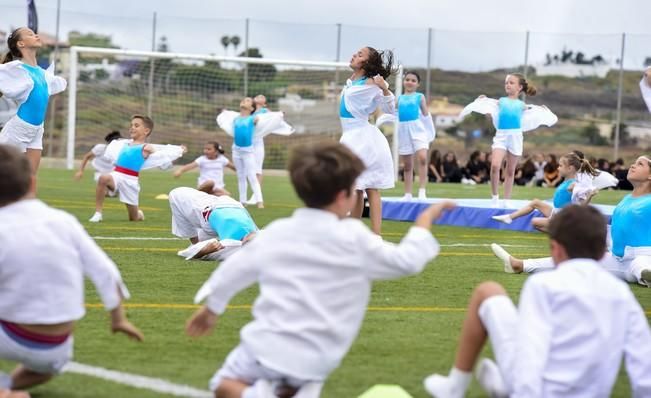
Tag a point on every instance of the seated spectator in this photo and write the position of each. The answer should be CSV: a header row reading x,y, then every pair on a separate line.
x,y
525,172
551,177
539,163
620,172
434,167
476,171
451,169
603,164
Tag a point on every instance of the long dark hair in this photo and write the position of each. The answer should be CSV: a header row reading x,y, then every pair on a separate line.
x,y
379,63
12,45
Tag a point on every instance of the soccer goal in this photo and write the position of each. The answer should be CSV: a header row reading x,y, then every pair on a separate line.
x,y
183,93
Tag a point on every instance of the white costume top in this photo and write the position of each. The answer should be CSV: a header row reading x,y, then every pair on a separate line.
x,y
162,157
268,123
101,163
646,91
44,256
585,183
16,84
188,207
212,169
574,325
365,139
532,117
312,301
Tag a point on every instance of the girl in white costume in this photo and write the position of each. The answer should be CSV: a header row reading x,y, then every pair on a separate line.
x,y
645,87
101,163
415,132
245,128
211,169
511,118
44,257
365,91
630,254
572,168
24,82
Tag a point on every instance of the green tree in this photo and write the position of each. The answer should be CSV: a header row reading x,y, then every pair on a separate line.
x,y
259,72
76,38
592,134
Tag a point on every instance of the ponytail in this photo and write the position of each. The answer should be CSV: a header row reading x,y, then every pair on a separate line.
x,y
527,88
12,44
587,168
217,146
379,63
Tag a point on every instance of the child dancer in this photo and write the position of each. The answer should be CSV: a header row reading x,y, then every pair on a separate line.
x,y
294,343
245,127
101,163
260,102
571,329
645,87
131,156
569,167
415,132
511,117
211,169
23,81
200,217
630,255
365,91
44,256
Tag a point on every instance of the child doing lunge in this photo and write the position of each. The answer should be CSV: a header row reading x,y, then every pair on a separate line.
x,y
315,281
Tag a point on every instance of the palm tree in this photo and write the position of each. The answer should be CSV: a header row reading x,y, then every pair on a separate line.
x,y
235,41
225,42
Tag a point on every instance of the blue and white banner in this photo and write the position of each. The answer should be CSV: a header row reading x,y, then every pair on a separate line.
x,y
32,18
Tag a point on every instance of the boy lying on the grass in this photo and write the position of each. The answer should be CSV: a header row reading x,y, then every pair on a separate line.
x,y
217,226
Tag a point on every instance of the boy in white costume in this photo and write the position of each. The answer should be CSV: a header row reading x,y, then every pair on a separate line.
x,y
572,327
313,299
201,217
45,254
101,163
130,157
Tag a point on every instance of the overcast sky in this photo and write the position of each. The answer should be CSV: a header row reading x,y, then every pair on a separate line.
x,y
468,35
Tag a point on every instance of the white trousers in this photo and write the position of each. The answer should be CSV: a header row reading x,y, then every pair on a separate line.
x,y
245,165
628,267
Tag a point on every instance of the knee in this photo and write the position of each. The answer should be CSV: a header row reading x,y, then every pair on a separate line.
x,y
488,289
495,169
103,180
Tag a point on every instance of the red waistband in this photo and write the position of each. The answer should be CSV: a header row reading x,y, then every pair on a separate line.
x,y
33,336
128,172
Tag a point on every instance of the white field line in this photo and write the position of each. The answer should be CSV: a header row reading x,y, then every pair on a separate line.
x,y
133,380
132,238
174,239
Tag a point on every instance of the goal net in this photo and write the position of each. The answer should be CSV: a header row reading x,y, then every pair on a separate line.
x,y
183,93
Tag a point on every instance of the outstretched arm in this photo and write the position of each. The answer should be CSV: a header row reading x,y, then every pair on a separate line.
x,y
185,168
423,105
120,323
87,157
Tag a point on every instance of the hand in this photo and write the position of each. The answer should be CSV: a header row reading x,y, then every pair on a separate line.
x,y
126,327
380,82
178,173
482,96
211,247
201,323
184,149
79,174
432,213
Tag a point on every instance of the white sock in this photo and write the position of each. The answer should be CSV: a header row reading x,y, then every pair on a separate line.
x,y
459,380
495,197
5,381
422,192
505,218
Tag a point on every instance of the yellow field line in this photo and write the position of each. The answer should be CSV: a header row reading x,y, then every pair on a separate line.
x,y
102,226
248,307
464,236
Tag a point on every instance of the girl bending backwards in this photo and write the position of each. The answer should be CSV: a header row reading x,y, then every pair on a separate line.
x,y
211,169
245,128
365,91
629,257
577,188
511,117
23,81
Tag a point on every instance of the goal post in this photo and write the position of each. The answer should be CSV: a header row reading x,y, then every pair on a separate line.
x,y
107,86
